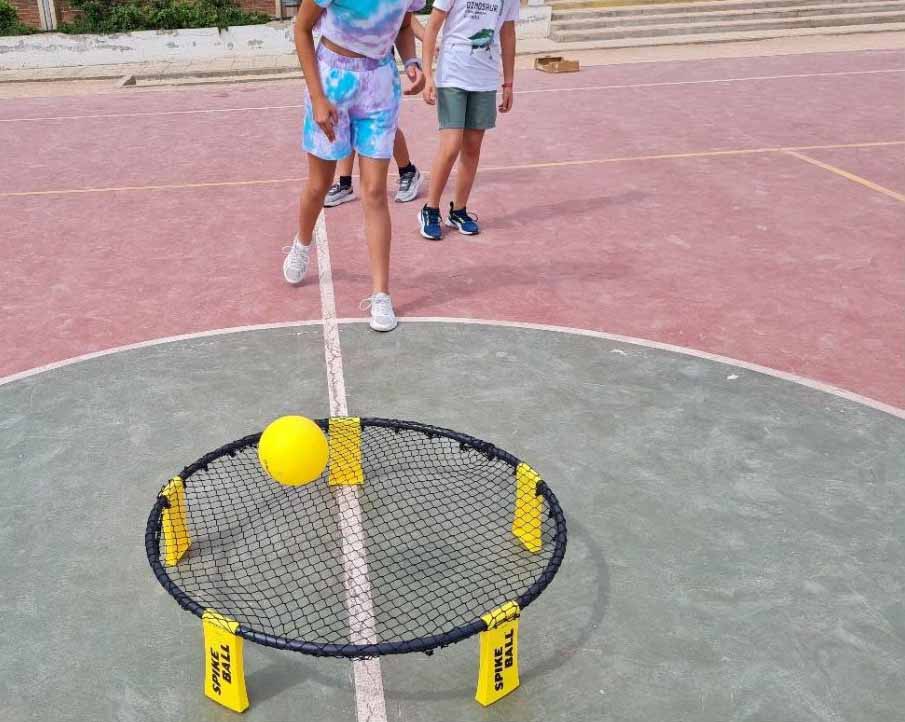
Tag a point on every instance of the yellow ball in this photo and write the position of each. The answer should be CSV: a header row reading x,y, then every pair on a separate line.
x,y
293,450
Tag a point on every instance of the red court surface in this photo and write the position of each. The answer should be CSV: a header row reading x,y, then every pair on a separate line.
x,y
751,208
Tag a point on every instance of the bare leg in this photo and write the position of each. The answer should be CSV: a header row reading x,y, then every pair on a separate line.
x,y
401,150
450,145
344,167
468,166
311,200
377,219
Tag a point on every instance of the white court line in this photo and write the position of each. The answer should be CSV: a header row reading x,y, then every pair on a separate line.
x,y
633,340
663,84
151,113
667,83
368,677
150,343
685,351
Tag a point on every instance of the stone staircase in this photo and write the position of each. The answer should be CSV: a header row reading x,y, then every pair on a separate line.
x,y
668,23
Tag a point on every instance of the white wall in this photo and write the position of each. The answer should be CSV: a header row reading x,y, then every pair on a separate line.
x,y
50,50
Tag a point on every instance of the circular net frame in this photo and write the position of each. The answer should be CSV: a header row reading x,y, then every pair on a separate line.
x,y
408,561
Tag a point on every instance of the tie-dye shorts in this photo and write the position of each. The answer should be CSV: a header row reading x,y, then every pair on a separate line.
x,y
366,93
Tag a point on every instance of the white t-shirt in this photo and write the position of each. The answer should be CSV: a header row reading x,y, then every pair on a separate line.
x,y
470,55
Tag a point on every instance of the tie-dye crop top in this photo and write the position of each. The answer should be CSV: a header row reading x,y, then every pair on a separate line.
x,y
367,27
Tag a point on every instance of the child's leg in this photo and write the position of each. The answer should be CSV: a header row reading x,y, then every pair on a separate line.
x,y
480,116
324,153
401,150
409,176
468,166
320,176
344,167
374,119
377,219
452,110
444,160
341,191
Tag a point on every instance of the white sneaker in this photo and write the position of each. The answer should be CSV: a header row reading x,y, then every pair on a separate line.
x,y
383,317
409,185
337,195
296,262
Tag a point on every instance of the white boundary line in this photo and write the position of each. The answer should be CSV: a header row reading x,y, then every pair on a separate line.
x,y
150,113
150,344
634,341
670,83
766,370
336,384
627,86
367,675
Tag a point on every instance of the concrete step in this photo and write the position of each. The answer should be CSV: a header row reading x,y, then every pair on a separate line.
x,y
591,20
824,22
639,6
559,4
551,46
712,8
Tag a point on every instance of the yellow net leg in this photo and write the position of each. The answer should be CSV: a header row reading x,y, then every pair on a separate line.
x,y
173,525
526,525
498,666
224,671
345,452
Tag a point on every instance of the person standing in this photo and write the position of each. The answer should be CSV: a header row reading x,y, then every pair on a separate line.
x,y
478,47
354,93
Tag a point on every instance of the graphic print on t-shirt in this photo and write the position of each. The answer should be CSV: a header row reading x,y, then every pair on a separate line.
x,y
475,10
482,40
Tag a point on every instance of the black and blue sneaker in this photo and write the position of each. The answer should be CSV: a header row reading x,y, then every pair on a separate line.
x,y
429,221
460,219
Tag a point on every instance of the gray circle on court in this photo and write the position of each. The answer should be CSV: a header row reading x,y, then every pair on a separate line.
x,y
737,542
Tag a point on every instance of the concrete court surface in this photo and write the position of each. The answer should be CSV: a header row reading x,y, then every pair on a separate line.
x,y
736,545
736,535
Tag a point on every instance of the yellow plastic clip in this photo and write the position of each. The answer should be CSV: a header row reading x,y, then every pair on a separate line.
x,y
498,667
526,525
345,451
175,530
224,669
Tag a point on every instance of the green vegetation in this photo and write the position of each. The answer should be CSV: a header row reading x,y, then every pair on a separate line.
x,y
10,23
122,16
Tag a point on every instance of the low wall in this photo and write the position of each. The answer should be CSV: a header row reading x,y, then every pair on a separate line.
x,y
49,50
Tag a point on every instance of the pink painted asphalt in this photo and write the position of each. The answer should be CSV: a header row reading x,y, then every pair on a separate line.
x,y
884,167
761,257
262,144
715,254
219,96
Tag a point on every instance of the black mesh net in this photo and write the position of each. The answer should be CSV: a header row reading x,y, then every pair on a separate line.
x,y
408,561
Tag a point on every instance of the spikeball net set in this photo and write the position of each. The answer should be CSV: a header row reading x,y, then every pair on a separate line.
x,y
413,538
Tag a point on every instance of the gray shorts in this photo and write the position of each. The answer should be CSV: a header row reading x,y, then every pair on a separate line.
x,y
466,109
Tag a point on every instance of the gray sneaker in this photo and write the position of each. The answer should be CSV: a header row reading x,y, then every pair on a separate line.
x,y
338,194
409,185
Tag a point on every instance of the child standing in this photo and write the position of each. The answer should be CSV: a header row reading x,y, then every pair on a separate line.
x,y
479,37
353,104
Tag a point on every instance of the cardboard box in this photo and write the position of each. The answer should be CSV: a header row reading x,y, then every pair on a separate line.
x,y
553,64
